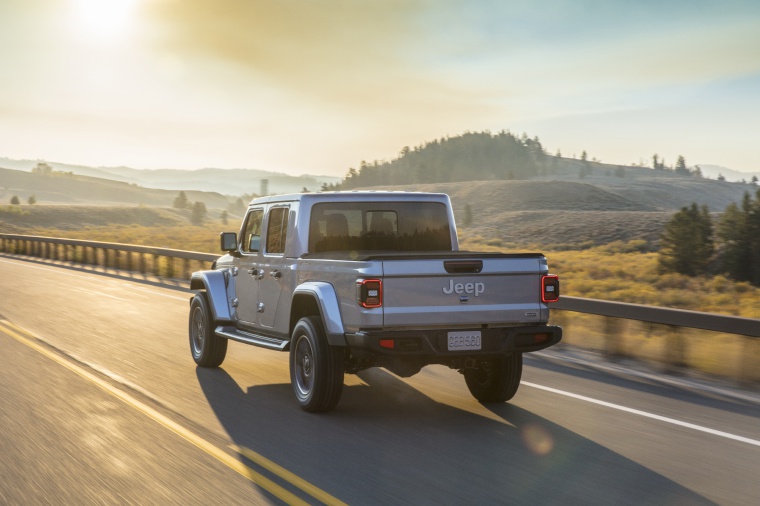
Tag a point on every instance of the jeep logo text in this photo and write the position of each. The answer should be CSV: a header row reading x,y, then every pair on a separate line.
x,y
460,288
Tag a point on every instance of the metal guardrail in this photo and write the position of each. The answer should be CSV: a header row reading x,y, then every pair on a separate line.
x,y
664,316
162,262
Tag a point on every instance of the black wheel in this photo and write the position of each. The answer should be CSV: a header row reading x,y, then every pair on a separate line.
x,y
496,379
316,368
207,348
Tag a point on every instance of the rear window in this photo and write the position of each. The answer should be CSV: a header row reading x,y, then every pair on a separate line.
x,y
379,226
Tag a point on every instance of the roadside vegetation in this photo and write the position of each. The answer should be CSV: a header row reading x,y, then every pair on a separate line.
x,y
625,272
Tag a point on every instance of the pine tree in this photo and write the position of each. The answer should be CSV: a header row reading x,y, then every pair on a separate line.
x,y
199,213
687,244
181,201
753,219
732,231
681,166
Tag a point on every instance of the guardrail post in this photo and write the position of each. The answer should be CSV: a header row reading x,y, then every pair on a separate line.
x,y
142,264
749,372
612,344
155,265
169,267
675,348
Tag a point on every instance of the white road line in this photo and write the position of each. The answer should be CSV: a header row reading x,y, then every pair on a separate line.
x,y
646,414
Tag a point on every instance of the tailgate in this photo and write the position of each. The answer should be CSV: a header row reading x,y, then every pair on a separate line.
x,y
465,291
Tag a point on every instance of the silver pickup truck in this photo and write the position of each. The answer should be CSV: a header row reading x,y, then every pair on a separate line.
x,y
345,281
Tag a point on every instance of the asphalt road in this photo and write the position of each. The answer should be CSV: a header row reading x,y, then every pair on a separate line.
x,y
101,403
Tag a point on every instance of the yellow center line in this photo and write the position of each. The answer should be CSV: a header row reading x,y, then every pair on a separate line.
x,y
28,339
292,478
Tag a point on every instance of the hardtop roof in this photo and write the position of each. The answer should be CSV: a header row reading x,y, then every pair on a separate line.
x,y
350,196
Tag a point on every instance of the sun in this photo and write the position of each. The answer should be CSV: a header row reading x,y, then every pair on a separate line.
x,y
102,20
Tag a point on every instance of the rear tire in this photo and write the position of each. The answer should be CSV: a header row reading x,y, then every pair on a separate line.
x,y
496,380
207,348
316,368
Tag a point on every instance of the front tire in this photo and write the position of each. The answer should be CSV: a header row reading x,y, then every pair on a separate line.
x,y
207,348
316,368
496,379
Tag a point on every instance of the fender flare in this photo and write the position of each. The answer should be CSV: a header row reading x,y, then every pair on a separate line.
x,y
329,308
215,285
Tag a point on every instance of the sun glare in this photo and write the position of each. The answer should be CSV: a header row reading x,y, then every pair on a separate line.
x,y
102,20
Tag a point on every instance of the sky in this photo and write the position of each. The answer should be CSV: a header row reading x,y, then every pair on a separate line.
x,y
317,86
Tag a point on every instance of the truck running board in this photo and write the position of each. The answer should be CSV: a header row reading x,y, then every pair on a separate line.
x,y
236,334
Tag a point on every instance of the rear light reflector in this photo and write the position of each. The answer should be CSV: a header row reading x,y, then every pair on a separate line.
x,y
549,288
387,343
369,292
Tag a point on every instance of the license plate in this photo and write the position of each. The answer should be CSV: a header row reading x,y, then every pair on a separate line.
x,y
464,341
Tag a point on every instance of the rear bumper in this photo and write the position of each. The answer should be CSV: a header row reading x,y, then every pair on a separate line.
x,y
432,345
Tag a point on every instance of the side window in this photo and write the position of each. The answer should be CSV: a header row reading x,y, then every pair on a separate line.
x,y
252,232
278,230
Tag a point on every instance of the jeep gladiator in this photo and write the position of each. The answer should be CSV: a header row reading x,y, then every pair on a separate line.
x,y
345,281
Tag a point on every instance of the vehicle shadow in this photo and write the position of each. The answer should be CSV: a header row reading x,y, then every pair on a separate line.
x,y
387,443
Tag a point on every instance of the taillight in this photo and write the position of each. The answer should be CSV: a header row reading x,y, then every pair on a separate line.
x,y
369,292
549,288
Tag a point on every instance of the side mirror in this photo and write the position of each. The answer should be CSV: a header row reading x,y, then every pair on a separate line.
x,y
228,241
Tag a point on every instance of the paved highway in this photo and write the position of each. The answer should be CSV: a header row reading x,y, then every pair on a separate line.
x,y
100,402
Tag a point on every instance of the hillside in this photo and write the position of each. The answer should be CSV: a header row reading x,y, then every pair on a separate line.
x,y
19,219
68,188
552,213
234,182
506,190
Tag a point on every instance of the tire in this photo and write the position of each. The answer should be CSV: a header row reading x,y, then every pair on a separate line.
x,y
316,368
496,380
207,348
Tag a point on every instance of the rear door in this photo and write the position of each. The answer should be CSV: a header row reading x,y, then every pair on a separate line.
x,y
275,268
465,291
247,279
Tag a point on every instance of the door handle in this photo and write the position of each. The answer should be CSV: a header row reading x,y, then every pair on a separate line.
x,y
276,274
